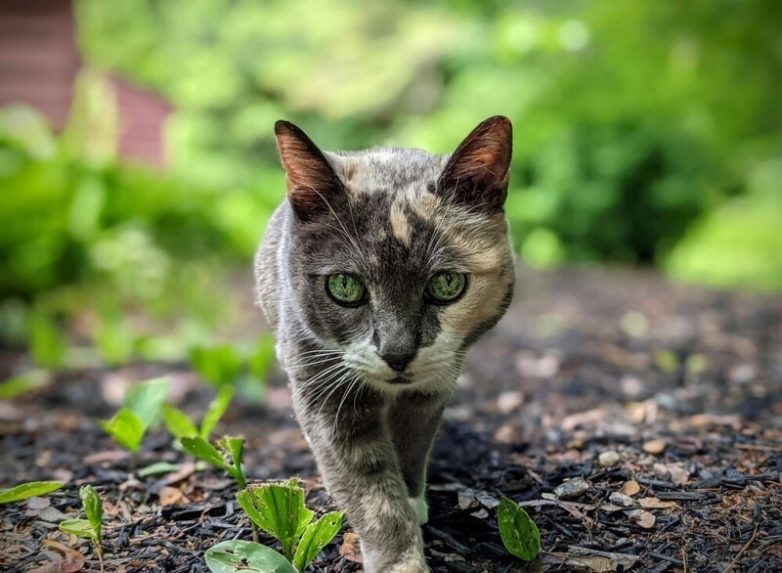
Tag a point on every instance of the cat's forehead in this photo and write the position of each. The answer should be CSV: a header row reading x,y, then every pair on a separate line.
x,y
386,169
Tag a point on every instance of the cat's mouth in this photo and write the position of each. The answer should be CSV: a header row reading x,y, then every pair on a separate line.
x,y
400,379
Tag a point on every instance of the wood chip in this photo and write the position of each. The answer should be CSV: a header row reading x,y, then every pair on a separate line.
x,y
655,503
171,496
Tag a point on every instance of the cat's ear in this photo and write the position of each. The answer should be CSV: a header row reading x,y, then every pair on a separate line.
x,y
477,172
313,186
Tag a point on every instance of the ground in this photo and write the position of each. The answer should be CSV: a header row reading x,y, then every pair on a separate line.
x,y
639,423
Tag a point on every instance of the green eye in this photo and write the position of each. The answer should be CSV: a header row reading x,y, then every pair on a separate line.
x,y
446,286
345,289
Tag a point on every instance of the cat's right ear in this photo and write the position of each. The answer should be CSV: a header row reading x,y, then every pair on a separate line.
x,y
313,186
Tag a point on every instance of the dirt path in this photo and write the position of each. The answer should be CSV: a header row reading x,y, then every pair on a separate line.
x,y
662,406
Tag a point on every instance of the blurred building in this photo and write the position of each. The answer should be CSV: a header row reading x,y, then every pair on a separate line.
x,y
39,62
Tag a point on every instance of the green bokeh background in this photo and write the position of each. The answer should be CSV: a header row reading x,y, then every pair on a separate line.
x,y
646,133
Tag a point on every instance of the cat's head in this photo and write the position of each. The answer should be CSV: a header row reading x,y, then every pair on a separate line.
x,y
399,259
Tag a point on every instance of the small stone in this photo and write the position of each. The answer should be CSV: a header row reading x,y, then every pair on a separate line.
x,y
572,488
621,499
507,402
643,518
630,488
608,459
466,499
655,446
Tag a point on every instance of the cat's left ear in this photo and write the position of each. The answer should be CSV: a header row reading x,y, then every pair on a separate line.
x,y
477,172
313,186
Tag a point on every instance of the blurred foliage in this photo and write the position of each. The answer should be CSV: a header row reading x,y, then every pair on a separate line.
x,y
646,132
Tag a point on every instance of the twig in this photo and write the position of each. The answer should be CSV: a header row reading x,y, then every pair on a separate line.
x,y
743,549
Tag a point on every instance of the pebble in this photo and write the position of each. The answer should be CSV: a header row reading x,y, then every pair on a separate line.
x,y
572,488
655,446
608,459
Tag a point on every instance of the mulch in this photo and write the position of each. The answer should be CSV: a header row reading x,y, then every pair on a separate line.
x,y
639,424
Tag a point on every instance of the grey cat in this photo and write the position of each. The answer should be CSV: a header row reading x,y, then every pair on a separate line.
x,y
377,273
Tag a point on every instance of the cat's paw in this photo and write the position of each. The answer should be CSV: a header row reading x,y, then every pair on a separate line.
x,y
420,507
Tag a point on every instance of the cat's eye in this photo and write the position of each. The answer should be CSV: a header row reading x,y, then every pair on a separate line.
x,y
346,289
446,287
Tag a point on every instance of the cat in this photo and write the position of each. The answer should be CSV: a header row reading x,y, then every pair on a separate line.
x,y
376,274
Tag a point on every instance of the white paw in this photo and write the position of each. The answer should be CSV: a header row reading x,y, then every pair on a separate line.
x,y
420,507
414,566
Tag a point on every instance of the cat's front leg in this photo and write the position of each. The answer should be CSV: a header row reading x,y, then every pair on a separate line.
x,y
360,467
414,418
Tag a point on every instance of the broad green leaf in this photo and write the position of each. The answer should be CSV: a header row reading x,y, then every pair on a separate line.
x,y
203,450
146,400
216,409
47,344
178,423
90,501
218,365
23,383
316,536
158,468
79,528
279,510
519,533
245,557
30,489
126,428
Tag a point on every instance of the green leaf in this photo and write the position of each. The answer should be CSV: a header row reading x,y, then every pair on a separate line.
x,y
146,400
216,409
90,501
126,428
23,383
29,489
79,528
245,556
178,423
279,510
158,468
235,448
218,365
203,450
315,537
519,533
47,344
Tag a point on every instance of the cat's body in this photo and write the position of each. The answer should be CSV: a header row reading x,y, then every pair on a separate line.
x,y
376,274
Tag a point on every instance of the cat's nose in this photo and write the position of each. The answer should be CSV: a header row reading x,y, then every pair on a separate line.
x,y
398,361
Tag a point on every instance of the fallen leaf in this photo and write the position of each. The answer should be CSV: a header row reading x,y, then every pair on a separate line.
x,y
630,487
72,560
642,518
654,503
350,548
655,446
185,471
171,496
674,472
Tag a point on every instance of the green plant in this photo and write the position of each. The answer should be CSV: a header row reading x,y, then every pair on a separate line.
x,y
218,365
518,531
141,408
229,449
180,425
92,527
279,510
27,490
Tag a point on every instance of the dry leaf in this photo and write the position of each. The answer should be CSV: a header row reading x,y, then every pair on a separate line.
x,y
630,487
171,496
642,518
71,562
654,446
350,548
654,503
185,471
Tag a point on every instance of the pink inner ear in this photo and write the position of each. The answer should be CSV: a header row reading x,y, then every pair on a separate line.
x,y
312,183
482,161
